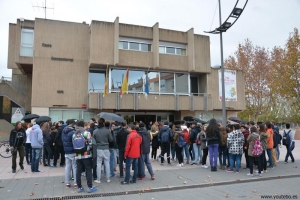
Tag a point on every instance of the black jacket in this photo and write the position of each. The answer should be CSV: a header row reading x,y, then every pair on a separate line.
x,y
47,138
12,137
122,138
194,133
163,129
57,140
145,147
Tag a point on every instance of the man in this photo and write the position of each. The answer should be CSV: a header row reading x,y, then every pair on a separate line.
x,y
145,150
67,135
84,159
112,147
270,143
132,153
195,130
102,137
246,145
288,137
278,139
186,147
165,136
36,138
58,145
121,141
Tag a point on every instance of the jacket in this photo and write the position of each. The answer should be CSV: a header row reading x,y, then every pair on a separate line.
x,y
133,145
251,138
66,137
163,129
13,136
263,139
235,142
154,136
145,147
102,137
213,140
57,140
270,138
203,140
47,138
121,139
88,141
36,137
246,135
113,143
28,135
223,137
194,133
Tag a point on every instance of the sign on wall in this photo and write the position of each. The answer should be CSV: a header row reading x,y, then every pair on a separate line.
x,y
230,85
17,114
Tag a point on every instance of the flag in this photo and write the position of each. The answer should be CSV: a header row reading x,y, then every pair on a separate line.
x,y
106,83
112,84
146,85
124,87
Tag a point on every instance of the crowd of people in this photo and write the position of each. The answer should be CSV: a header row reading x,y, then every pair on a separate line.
x,y
84,147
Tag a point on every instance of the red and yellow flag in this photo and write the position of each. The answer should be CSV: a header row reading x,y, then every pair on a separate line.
x,y
124,87
106,83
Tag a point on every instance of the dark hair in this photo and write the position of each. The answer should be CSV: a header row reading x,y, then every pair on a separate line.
x,y
123,124
253,129
107,124
101,121
93,119
261,128
287,126
166,123
268,124
16,125
237,126
141,125
194,122
80,123
132,126
212,128
92,125
223,134
252,123
182,122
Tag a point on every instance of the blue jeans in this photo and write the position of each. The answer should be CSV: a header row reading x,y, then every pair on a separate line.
x,y
187,153
269,152
235,159
222,154
144,159
36,154
195,152
213,154
277,152
289,154
112,162
134,162
173,152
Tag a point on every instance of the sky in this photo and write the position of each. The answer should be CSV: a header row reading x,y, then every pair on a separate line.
x,y
266,23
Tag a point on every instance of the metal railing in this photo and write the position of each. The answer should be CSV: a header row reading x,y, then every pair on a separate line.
x,y
8,81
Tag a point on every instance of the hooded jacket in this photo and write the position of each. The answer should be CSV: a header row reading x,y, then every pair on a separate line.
x,y
145,147
194,133
163,129
121,139
13,135
36,137
67,134
57,140
47,138
251,138
235,142
102,137
133,145
263,139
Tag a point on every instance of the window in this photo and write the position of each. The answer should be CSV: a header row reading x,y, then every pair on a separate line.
x,y
123,45
166,82
134,46
162,49
27,42
153,81
182,83
96,80
135,81
145,47
170,50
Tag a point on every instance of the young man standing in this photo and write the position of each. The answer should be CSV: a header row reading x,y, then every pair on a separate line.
x,y
58,145
270,144
195,130
164,136
36,138
121,141
288,137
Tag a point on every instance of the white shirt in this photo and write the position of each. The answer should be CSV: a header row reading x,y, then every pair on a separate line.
x,y
28,135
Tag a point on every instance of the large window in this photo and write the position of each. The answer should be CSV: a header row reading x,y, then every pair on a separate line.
x,y
172,48
135,44
26,42
64,115
135,82
166,82
96,80
182,83
153,81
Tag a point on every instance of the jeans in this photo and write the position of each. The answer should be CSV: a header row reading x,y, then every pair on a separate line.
x,y
289,154
222,155
70,165
173,152
204,157
154,153
179,153
103,155
144,159
263,161
195,151
185,149
35,155
191,152
165,148
274,157
277,152
134,162
235,159
213,154
111,162
59,150
247,158
47,151
199,153
251,161
84,164
269,152
121,160
28,150
20,149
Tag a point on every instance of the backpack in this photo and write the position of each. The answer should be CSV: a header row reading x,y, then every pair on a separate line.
x,y
165,136
181,142
186,136
257,147
275,138
79,144
286,138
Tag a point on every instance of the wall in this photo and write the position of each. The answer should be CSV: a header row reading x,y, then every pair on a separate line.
x,y
41,111
5,128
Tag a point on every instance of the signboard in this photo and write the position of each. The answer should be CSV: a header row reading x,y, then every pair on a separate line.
x,y
17,114
230,85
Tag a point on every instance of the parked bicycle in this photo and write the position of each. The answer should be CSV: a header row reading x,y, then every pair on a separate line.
x,y
5,150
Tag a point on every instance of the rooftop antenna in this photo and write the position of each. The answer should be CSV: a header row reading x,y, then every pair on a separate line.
x,y
43,7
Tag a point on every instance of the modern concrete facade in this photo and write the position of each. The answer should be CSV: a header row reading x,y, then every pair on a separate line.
x,y
61,71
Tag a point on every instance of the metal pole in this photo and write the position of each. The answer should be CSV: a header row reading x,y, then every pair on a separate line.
x,y
222,72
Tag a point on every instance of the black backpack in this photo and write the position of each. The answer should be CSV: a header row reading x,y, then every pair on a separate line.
x,y
286,140
275,138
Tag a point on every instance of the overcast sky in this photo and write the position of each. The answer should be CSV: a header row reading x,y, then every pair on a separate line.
x,y
266,23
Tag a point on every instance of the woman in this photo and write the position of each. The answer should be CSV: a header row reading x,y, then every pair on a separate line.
x,y
17,139
28,144
47,145
263,139
235,143
203,147
223,148
178,148
154,136
251,140
213,138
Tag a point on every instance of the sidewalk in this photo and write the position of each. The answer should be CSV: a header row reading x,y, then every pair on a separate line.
x,y
51,183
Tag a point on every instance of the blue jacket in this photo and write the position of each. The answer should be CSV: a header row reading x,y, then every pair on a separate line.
x,y
194,133
66,138
36,137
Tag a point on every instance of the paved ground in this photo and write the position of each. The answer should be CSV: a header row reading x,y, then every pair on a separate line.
x,y
27,185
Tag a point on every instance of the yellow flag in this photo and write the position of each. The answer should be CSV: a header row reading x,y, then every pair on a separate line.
x,y
124,87
106,83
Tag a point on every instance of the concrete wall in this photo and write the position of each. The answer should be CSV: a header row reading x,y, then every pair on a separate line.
x,y
5,128
41,111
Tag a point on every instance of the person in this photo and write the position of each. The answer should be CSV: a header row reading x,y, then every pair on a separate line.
x,y
178,148
195,130
165,136
58,145
288,137
17,139
213,138
223,148
155,144
132,153
37,143
203,147
28,148
102,137
67,140
47,145
121,141
235,143
263,139
246,144
278,139
270,143
186,147
253,136
145,150
84,160
112,147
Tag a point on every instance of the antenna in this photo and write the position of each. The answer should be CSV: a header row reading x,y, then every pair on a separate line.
x,y
43,7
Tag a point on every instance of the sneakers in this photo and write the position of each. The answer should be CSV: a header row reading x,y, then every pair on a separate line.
x,y
124,183
178,165
38,171
75,186
204,166
22,167
68,185
161,164
187,162
260,172
80,190
229,170
251,175
170,164
285,162
141,179
13,171
265,171
97,181
152,177
114,176
108,181
91,190
237,171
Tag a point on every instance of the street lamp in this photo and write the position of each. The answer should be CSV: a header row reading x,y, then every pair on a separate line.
x,y
234,15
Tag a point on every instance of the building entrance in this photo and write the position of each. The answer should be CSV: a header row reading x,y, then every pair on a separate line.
x,y
145,118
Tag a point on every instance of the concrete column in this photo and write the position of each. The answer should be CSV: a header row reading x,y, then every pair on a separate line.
x,y
191,50
116,41
155,46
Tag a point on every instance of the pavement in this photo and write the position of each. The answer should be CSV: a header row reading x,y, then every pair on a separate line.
x,y
171,182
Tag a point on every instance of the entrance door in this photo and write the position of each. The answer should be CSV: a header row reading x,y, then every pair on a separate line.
x,y
194,85
146,119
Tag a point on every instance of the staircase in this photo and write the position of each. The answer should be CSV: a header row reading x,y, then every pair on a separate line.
x,y
5,128
11,92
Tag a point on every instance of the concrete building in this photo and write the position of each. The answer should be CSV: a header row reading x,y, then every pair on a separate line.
x,y
59,70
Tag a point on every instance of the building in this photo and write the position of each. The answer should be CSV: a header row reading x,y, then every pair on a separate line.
x,y
60,68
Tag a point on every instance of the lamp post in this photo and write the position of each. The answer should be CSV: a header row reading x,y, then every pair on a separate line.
x,y
234,15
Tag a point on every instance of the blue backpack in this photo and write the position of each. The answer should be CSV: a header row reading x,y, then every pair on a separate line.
x,y
165,136
181,142
79,144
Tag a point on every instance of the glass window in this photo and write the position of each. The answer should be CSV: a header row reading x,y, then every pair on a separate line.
x,y
182,81
145,47
6,107
136,81
56,115
134,46
153,81
162,49
27,43
117,77
96,81
170,50
183,52
166,82
87,115
123,45
178,51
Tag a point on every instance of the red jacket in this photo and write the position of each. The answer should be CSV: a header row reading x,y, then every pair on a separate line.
x,y
133,145
246,135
